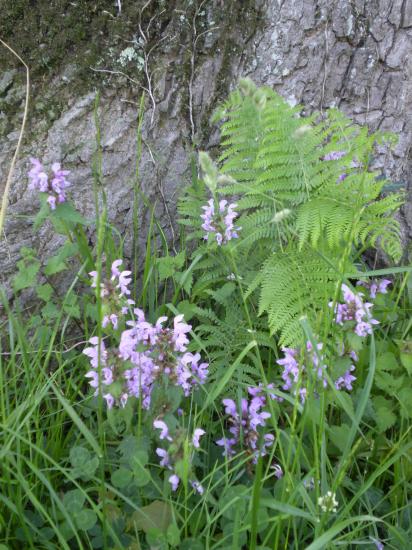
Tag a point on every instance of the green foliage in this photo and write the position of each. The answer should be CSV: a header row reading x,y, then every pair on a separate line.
x,y
78,475
303,217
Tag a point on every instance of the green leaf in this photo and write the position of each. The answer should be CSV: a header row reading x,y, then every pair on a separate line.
x,y
121,477
141,476
405,398
57,263
27,274
50,311
192,544
385,418
234,502
79,456
387,382
71,307
173,535
85,519
65,211
44,292
406,360
74,500
168,265
156,515
41,215
386,361
84,465
339,435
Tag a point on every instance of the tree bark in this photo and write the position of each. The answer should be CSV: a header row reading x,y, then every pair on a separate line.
x,y
352,54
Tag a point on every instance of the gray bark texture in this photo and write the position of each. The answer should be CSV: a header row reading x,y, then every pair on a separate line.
x,y
352,54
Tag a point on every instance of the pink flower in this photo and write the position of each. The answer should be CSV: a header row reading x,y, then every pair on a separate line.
x,y
174,481
197,434
164,430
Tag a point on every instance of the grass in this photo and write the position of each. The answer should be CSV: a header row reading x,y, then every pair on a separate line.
x,y
77,475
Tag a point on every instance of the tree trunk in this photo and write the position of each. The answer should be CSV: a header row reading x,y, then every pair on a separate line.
x,y
186,55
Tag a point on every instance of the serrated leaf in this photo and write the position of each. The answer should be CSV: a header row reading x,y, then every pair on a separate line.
x,y
65,211
44,292
385,418
50,311
168,265
406,360
27,274
405,398
386,362
387,382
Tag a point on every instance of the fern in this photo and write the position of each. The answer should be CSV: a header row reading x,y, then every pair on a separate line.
x,y
302,215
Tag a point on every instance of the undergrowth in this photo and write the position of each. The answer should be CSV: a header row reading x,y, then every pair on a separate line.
x,y
251,391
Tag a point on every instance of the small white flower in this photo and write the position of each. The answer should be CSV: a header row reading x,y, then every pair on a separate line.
x,y
328,502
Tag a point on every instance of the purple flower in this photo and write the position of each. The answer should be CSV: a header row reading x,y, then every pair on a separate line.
x,y
174,481
164,455
334,155
244,425
55,186
346,380
196,436
109,400
354,309
164,430
379,545
220,223
180,330
38,177
375,286
309,483
278,470
295,373
197,487
93,352
123,279
110,319
51,200
259,391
